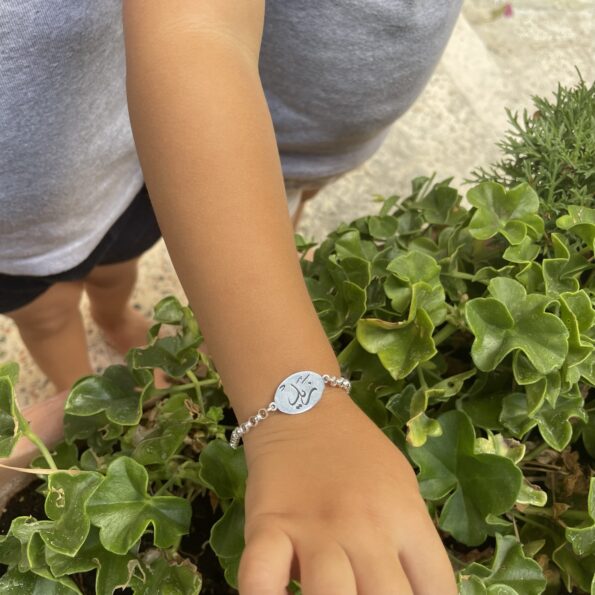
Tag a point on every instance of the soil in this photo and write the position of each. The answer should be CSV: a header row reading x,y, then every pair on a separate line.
x,y
194,546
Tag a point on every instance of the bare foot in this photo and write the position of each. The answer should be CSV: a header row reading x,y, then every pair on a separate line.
x,y
46,420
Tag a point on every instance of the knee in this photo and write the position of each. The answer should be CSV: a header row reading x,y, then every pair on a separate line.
x,y
50,313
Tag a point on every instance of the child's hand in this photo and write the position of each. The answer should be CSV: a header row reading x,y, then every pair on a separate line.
x,y
330,501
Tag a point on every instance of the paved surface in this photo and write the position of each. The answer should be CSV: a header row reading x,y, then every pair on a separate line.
x,y
490,63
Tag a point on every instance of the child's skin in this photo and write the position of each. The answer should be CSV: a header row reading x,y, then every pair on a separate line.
x,y
330,500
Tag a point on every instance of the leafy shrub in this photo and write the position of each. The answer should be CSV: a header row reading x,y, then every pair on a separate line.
x,y
468,337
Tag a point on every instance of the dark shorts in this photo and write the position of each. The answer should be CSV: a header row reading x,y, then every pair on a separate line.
x,y
133,233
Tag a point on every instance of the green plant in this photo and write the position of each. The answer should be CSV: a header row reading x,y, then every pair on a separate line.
x,y
468,336
553,149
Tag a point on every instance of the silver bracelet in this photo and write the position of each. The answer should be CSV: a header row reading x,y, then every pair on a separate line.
x,y
298,393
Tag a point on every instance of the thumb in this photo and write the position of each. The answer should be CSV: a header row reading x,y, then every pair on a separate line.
x,y
266,562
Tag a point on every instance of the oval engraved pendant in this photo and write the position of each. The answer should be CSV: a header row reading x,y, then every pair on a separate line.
x,y
299,392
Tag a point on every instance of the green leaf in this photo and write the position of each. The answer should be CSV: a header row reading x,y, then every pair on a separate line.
x,y
511,320
582,539
382,227
512,213
223,469
511,572
9,430
174,421
553,422
515,414
27,583
227,534
114,393
556,277
113,571
65,507
11,370
168,578
480,483
524,252
416,283
169,311
420,425
400,346
500,445
441,206
578,315
171,354
575,571
580,221
123,510
531,494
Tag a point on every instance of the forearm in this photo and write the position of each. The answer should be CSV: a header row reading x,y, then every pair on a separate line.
x,y
206,144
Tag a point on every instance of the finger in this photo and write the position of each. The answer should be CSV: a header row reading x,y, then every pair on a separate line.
x,y
265,563
428,568
379,572
325,569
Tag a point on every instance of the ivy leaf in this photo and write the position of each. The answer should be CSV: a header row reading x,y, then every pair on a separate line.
x,y
169,310
382,227
65,507
11,370
553,422
223,469
578,315
400,346
168,578
511,571
416,282
500,445
575,571
174,421
482,483
227,534
112,570
515,414
171,354
582,539
115,393
441,206
512,213
9,430
123,510
19,583
511,320
420,425
522,253
581,222
556,276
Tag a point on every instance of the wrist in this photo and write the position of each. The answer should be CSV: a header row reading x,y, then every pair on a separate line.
x,y
333,412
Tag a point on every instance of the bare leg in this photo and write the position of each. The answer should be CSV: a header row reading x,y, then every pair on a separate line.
x,y
109,288
306,195
52,329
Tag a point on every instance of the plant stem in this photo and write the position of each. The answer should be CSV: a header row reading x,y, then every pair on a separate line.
x,y
196,383
35,439
578,515
446,331
458,563
536,451
530,521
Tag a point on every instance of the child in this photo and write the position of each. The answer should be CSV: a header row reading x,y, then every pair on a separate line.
x,y
233,110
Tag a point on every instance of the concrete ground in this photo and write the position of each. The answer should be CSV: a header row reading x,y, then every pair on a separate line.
x,y
489,63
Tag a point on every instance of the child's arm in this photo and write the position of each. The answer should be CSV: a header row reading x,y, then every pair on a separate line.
x,y
207,147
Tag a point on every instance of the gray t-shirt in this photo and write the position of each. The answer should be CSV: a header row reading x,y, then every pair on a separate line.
x,y
336,74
